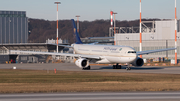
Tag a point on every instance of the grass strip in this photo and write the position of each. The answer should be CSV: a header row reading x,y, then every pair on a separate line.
x,y
31,81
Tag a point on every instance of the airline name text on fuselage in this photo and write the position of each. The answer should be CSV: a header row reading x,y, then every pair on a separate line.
x,y
111,49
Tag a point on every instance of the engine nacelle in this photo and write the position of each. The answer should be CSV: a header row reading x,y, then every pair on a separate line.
x,y
82,63
138,62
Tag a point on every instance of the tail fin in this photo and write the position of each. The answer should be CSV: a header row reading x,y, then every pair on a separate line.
x,y
76,34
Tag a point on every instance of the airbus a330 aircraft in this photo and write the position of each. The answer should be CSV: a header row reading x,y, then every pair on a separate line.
x,y
102,54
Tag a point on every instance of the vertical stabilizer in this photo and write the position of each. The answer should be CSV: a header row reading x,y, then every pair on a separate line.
x,y
76,34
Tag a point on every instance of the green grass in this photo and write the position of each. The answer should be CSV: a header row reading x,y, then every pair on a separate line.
x,y
20,81
28,76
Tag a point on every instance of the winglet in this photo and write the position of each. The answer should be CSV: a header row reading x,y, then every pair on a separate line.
x,y
76,34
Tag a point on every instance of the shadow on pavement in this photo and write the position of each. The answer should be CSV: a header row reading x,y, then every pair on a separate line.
x,y
132,68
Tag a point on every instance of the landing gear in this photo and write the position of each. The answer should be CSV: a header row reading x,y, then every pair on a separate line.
x,y
87,68
117,66
128,67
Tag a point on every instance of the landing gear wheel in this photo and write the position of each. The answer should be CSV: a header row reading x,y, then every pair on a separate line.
x,y
128,68
117,66
87,68
114,66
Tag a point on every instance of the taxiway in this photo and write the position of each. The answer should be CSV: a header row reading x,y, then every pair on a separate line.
x,y
122,96
94,68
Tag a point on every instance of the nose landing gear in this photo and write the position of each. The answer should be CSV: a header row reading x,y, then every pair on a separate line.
x,y
128,67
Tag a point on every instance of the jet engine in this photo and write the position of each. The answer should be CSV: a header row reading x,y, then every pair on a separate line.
x,y
138,62
82,63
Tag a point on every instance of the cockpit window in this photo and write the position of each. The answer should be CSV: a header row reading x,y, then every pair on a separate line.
x,y
131,51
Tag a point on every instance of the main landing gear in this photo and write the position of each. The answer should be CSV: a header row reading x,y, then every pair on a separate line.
x,y
117,66
87,68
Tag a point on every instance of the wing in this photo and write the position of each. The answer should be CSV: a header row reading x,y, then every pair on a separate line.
x,y
51,53
153,51
94,43
67,46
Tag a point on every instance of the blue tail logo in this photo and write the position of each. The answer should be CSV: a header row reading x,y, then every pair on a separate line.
x,y
76,34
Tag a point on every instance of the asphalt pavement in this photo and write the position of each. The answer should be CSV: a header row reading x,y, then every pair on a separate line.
x,y
94,68
121,96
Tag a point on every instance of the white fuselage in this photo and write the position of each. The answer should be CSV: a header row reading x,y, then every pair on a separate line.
x,y
108,53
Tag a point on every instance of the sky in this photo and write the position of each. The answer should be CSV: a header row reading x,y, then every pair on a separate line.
x,y
91,10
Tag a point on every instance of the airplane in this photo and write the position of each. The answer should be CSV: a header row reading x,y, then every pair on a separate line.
x,y
101,54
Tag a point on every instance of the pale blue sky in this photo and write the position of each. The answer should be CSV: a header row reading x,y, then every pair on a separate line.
x,y
93,9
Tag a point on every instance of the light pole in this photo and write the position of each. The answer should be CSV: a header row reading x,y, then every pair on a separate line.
x,y
140,33
77,23
57,23
114,23
175,33
111,12
114,26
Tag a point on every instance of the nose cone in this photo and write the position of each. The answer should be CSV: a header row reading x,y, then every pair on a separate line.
x,y
133,57
132,54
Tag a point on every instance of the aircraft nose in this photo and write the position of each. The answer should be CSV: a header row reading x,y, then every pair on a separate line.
x,y
134,57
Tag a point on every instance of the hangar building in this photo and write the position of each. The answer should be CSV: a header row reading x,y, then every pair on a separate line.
x,y
13,27
160,35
